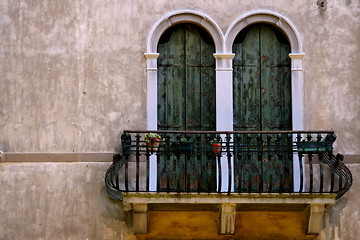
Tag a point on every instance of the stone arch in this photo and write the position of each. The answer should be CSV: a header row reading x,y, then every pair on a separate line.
x,y
184,16
151,55
266,17
223,56
296,54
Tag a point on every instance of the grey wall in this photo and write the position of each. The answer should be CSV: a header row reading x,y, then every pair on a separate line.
x,y
58,201
342,221
73,72
72,77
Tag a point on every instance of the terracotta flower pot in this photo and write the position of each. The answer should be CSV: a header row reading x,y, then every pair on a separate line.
x,y
216,147
153,144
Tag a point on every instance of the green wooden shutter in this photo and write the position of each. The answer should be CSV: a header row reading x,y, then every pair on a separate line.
x,y
186,80
262,101
262,83
186,101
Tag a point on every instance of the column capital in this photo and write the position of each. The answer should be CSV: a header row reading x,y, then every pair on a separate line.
x,y
294,56
224,55
224,61
296,61
151,55
151,61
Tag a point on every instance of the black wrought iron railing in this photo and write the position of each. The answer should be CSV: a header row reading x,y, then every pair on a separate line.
x,y
232,162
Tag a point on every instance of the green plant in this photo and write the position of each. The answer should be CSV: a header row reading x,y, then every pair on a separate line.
x,y
214,140
185,140
149,137
185,145
154,139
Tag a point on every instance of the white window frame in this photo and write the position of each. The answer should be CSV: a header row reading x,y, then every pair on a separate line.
x,y
223,59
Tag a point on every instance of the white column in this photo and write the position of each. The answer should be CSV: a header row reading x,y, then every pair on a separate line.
x,y
297,107
224,91
297,90
151,75
224,107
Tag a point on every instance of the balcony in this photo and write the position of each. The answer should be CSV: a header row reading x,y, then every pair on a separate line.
x,y
265,167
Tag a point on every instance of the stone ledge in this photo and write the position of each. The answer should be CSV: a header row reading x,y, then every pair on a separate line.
x,y
218,198
57,157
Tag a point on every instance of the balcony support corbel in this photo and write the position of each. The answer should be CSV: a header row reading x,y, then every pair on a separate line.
x,y
315,216
227,218
140,215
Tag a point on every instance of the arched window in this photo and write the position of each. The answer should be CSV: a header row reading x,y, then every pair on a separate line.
x,y
186,79
262,79
186,101
223,53
262,101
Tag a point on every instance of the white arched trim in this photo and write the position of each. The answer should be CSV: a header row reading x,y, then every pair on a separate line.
x,y
224,72
184,16
264,16
223,56
296,55
151,55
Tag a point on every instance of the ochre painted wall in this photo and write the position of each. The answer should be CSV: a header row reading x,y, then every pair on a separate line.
x,y
249,225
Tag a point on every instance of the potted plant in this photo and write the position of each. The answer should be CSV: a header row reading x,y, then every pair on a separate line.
x,y
152,141
186,145
216,145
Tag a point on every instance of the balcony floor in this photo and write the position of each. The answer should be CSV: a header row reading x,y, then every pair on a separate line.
x,y
237,198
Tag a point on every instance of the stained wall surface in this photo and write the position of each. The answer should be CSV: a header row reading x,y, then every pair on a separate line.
x,y
73,73
73,76
58,201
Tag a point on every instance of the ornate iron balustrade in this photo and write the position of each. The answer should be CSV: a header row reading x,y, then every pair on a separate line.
x,y
243,162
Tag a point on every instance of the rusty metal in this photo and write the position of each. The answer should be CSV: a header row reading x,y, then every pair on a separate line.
x,y
272,171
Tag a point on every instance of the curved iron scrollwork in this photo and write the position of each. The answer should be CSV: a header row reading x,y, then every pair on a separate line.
x,y
112,177
339,168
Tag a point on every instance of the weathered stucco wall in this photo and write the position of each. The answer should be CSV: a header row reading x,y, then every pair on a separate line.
x,y
69,201
342,221
72,77
73,73
58,201
331,43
